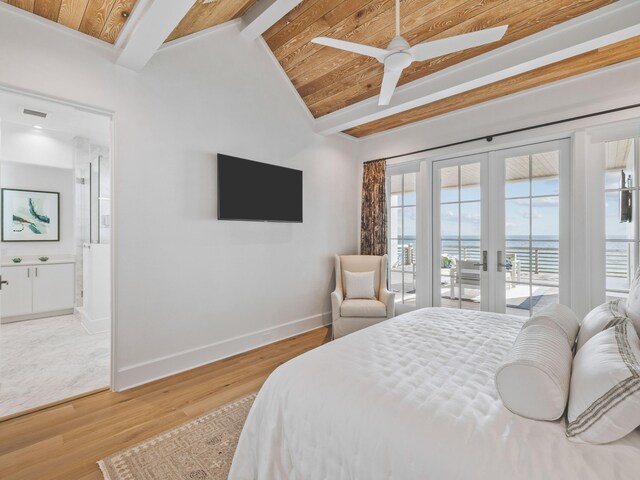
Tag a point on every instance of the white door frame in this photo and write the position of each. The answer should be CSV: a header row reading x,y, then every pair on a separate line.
x,y
403,169
492,180
111,114
483,160
497,227
596,162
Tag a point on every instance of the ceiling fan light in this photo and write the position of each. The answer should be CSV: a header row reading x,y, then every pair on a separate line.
x,y
398,61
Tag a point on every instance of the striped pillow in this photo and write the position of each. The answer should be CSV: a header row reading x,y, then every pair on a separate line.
x,y
557,316
604,399
632,305
633,300
600,318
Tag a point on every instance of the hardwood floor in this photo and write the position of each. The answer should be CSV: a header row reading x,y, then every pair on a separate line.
x,y
66,440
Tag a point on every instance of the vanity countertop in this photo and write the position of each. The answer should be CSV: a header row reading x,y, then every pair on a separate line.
x,y
30,260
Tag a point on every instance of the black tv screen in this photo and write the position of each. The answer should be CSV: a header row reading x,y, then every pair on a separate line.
x,y
256,191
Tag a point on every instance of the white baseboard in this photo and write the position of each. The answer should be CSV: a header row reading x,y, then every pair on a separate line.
x,y
93,325
35,316
141,373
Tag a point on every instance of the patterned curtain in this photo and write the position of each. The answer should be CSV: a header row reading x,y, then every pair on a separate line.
x,y
373,231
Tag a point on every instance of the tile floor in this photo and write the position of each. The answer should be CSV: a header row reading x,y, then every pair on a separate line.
x,y
49,359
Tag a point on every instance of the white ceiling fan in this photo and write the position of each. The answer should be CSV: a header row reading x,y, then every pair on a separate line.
x,y
399,54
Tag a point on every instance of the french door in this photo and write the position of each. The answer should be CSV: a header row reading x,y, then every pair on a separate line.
x,y
500,229
460,227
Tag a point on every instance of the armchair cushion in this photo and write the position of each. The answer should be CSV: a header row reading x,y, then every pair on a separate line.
x,y
363,308
363,263
350,315
360,284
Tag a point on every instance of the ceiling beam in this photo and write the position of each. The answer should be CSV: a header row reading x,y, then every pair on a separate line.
x,y
153,26
597,29
264,14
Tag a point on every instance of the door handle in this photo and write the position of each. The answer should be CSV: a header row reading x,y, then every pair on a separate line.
x,y
500,264
483,264
3,282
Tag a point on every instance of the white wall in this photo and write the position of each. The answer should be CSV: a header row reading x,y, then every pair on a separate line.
x,y
36,160
22,144
190,288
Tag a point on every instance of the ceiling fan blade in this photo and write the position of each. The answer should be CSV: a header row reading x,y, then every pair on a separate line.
x,y
377,53
389,82
426,50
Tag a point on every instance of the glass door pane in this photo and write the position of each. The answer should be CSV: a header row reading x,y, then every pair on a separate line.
x,y
459,275
529,235
402,237
621,192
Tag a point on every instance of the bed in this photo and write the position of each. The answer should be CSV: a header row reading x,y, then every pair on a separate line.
x,y
412,398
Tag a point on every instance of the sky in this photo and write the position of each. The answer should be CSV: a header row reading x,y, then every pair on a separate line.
x,y
542,209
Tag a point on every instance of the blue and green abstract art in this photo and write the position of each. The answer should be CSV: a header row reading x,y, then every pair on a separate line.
x,y
30,216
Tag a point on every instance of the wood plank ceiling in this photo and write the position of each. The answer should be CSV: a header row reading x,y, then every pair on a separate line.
x,y
206,15
593,60
102,19
328,79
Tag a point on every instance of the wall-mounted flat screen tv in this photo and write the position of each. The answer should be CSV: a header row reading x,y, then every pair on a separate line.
x,y
256,191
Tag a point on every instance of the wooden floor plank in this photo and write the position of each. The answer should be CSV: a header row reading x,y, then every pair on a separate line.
x,y
66,440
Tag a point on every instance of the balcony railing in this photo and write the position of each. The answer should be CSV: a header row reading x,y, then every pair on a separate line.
x,y
547,259
537,260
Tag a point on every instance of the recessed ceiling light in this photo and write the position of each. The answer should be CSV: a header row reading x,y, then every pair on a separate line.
x,y
37,127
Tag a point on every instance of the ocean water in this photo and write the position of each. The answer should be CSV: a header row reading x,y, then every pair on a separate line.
x,y
517,243
617,263
546,247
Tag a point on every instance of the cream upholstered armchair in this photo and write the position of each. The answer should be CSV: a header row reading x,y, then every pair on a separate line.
x,y
349,314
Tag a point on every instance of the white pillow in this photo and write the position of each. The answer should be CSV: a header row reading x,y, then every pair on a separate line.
x,y
359,284
533,381
558,316
604,404
600,318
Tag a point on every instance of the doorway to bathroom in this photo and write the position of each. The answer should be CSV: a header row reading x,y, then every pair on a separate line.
x,y
55,252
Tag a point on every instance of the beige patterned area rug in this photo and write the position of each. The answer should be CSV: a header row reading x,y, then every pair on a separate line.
x,y
201,449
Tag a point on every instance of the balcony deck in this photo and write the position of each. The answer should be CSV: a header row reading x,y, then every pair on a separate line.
x,y
538,266
517,295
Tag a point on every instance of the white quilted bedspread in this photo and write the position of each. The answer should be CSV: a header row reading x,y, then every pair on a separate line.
x,y
412,398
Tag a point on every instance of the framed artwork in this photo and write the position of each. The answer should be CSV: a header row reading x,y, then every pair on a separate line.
x,y
30,216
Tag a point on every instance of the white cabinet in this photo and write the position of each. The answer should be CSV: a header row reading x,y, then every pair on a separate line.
x,y
53,287
34,290
17,294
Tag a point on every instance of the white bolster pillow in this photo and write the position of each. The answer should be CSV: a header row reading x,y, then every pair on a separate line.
x,y
533,381
559,316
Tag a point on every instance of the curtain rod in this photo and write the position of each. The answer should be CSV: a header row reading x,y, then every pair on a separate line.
x,y
489,138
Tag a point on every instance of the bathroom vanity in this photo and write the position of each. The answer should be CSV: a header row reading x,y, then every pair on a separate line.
x,y
37,289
